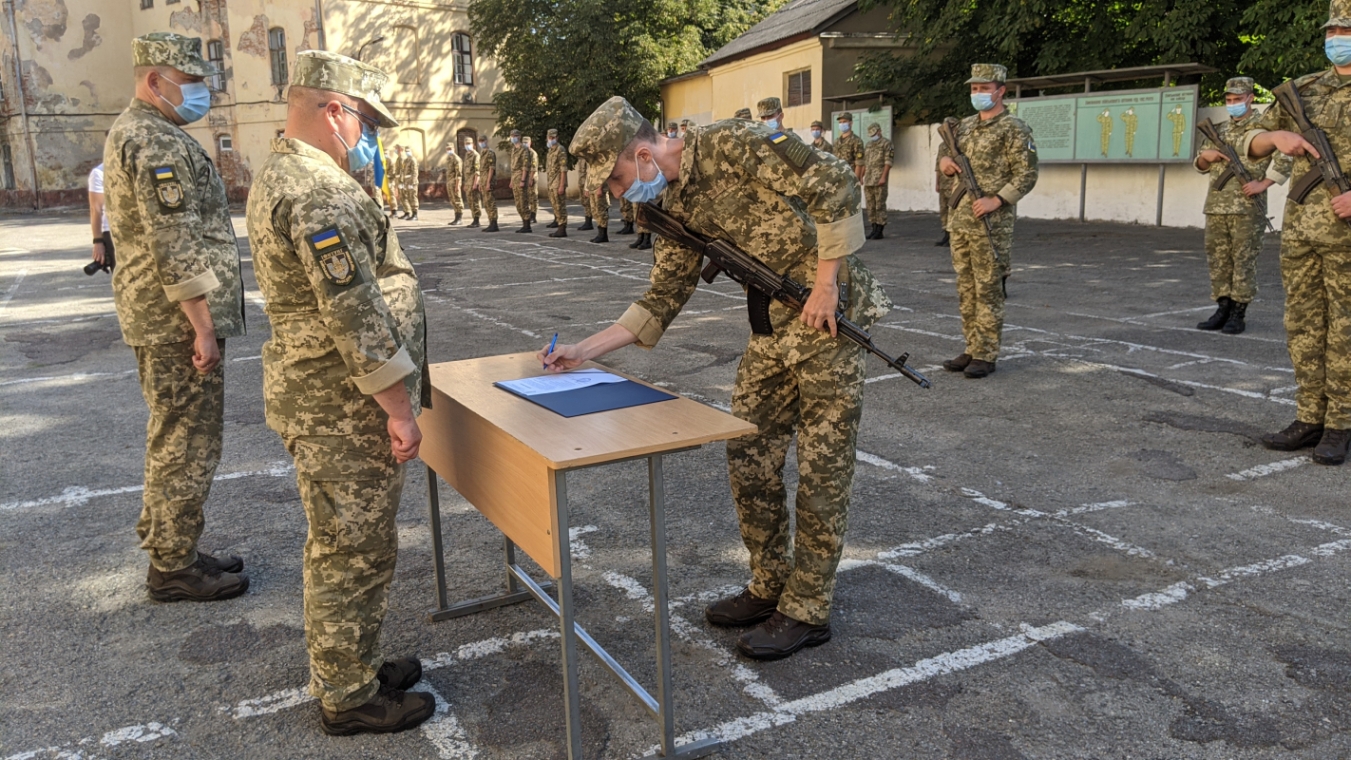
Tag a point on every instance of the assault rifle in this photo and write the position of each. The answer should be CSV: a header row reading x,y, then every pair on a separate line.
x,y
1326,169
1235,168
948,131
762,283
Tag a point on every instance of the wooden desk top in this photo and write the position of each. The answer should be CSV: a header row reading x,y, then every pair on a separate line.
x,y
568,442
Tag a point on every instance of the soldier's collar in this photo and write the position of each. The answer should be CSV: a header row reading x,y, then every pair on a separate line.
x,y
997,117
141,105
300,148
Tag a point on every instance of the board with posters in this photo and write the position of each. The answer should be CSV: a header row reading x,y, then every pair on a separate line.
x,y
1128,126
863,118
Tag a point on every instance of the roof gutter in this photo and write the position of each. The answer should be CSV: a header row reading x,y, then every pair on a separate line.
x,y
23,106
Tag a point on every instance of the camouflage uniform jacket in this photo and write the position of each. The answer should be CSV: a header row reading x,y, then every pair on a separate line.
x,y
849,148
1004,158
520,163
775,198
408,169
556,163
1231,199
877,157
487,169
454,166
1327,101
823,145
169,214
347,315
470,168
531,166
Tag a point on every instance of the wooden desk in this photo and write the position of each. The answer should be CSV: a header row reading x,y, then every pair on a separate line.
x,y
510,459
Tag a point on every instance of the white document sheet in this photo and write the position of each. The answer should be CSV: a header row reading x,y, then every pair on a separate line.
x,y
563,381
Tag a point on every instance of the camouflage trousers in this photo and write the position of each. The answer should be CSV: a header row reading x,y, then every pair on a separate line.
x,y
475,197
350,486
559,202
626,210
1317,279
520,196
600,208
1232,244
980,291
182,450
455,194
532,196
489,202
876,198
408,200
796,380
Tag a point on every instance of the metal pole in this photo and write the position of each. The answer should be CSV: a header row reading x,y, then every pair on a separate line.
x,y
1158,210
566,617
657,504
23,107
438,553
1083,188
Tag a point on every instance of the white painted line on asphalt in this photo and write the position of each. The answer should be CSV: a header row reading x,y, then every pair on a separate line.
x,y
1159,599
1103,538
924,580
986,501
579,548
918,473
139,734
14,288
75,496
915,548
71,378
1263,470
246,358
443,729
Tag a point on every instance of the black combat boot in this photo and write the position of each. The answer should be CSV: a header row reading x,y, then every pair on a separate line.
x,y
740,610
958,363
400,673
602,235
525,227
627,229
492,226
878,235
562,231
552,225
638,241
203,581
945,240
1235,324
1297,435
389,711
458,216
646,243
979,369
413,218
1220,316
872,230
780,637
474,223
1331,449
587,226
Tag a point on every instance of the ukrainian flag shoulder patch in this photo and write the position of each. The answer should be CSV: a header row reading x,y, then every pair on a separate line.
x,y
333,257
777,137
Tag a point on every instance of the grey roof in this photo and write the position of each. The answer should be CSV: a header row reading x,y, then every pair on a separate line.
x,y
795,18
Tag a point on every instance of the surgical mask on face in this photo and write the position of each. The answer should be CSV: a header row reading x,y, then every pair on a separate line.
x,y
816,134
552,143
196,100
359,156
483,146
1338,49
982,101
772,124
1236,110
845,127
874,137
673,134
643,191
515,141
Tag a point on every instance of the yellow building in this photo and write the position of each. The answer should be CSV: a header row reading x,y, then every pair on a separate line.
x,y
75,59
804,53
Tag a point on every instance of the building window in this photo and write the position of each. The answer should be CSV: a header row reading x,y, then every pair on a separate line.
x,y
276,45
799,88
226,143
6,168
463,53
147,4
215,53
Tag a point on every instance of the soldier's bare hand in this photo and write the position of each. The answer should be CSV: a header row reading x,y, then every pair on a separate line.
x,y
564,358
1256,187
1341,206
405,437
205,353
948,166
987,205
98,252
1211,156
1292,144
819,311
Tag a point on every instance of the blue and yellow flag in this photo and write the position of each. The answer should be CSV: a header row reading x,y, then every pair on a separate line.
x,y
381,177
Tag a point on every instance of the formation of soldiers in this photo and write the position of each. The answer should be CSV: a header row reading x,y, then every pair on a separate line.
x,y
345,368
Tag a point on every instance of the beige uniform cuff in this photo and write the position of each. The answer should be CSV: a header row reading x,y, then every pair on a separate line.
x,y
189,289
1196,164
397,368
835,240
643,324
1276,175
1247,141
1010,194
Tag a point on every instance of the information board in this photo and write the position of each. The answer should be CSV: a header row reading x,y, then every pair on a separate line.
x,y
1130,126
863,118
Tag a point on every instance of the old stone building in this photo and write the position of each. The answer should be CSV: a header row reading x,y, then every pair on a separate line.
x,y
66,74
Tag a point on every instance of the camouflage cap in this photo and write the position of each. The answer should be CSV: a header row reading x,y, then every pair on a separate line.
x,y
742,113
1339,13
1239,86
874,129
515,133
552,133
602,137
322,70
173,50
817,125
845,116
987,73
670,125
768,107
686,123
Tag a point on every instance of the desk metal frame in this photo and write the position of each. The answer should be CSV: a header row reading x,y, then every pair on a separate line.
x,y
521,587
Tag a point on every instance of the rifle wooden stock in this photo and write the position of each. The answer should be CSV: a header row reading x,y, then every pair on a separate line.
x,y
948,131
1326,167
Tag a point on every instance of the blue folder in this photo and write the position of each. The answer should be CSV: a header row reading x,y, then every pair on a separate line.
x,y
597,398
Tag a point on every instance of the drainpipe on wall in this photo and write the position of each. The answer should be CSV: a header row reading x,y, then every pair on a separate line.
x,y
23,106
318,21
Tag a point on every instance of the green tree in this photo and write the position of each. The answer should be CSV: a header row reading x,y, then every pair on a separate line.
x,y
1285,39
562,58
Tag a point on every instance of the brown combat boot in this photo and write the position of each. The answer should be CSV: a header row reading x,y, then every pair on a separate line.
x,y
957,364
401,673
198,582
1332,448
740,610
978,368
226,564
389,711
781,636
1297,435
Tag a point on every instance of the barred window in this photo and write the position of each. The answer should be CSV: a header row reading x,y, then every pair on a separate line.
x,y
215,53
276,45
147,4
800,88
463,54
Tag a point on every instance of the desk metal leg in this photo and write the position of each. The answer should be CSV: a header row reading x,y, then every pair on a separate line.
x,y
438,553
566,617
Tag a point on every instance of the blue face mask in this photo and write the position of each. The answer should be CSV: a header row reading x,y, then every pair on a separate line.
x,y
552,143
642,192
360,156
1236,110
196,100
982,101
1338,49
772,124
845,127
816,134
515,141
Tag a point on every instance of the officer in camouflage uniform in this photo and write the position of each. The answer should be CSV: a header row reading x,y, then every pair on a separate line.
x,y
1004,158
344,376
1234,223
556,174
471,180
179,296
532,179
409,185
877,158
798,211
819,140
487,169
849,148
1316,255
454,174
520,164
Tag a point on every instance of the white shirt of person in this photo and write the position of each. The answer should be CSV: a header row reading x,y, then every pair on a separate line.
x,y
96,186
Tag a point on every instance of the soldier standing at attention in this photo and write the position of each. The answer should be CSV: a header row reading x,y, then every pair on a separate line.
x,y
487,167
471,177
343,375
877,158
454,182
410,185
556,174
179,296
1004,159
601,200
584,197
520,162
798,212
818,139
1315,254
849,148
672,130
1234,222
532,179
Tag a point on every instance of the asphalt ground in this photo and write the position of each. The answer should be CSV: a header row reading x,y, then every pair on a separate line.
x,y
1086,555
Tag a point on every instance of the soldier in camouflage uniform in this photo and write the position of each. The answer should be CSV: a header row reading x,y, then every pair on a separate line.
x,y
1316,255
849,148
471,180
1234,222
797,211
601,201
179,296
520,166
877,158
454,179
672,130
344,377
410,183
487,169
685,124
819,140
1004,158
556,174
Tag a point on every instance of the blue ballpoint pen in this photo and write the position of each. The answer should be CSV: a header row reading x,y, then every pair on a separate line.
x,y
552,343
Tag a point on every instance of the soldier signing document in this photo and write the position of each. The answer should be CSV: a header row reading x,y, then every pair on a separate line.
x,y
797,210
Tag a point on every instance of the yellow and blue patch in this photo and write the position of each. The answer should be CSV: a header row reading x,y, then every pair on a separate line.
x,y
164,173
335,261
168,190
325,239
777,137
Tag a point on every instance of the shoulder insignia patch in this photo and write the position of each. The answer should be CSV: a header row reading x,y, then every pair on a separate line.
x,y
333,257
798,155
168,190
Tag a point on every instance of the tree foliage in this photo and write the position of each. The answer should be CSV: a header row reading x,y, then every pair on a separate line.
x,y
1263,38
562,58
